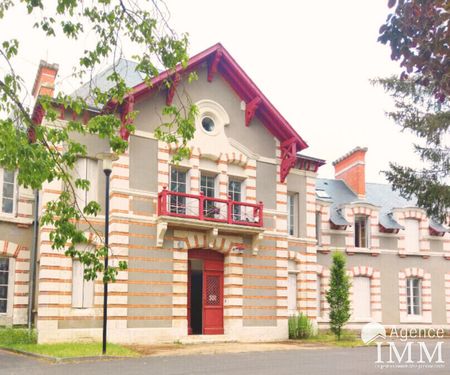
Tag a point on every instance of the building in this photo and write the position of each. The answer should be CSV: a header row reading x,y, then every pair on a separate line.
x,y
397,258
228,243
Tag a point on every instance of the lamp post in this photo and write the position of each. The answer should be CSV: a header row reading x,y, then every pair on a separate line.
x,y
107,159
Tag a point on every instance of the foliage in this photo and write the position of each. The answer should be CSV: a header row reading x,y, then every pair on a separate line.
x,y
71,349
338,295
300,327
53,151
418,34
17,336
416,110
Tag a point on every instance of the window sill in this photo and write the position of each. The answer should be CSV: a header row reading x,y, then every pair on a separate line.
x,y
362,250
10,218
423,254
414,319
361,320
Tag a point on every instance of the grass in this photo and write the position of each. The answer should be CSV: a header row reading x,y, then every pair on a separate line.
x,y
348,339
66,350
20,339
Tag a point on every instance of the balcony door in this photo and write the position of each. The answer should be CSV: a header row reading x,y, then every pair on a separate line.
x,y
205,292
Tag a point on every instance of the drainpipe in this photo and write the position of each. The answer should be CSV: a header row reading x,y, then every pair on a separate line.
x,y
33,257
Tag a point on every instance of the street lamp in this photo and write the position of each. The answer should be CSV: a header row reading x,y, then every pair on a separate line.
x,y
107,160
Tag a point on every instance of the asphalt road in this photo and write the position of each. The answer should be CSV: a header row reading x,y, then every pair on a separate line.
x,y
348,361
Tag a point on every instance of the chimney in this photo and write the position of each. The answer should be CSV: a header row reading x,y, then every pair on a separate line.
x,y
44,84
351,169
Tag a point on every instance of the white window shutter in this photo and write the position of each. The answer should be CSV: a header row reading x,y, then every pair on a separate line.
x,y
292,292
80,173
92,176
88,295
77,284
361,297
412,235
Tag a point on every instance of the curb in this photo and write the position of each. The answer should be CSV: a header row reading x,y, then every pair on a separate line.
x,y
62,359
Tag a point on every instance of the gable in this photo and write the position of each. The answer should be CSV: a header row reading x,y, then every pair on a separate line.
x,y
219,62
256,138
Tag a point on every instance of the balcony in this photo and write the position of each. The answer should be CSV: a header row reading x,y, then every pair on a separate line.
x,y
208,213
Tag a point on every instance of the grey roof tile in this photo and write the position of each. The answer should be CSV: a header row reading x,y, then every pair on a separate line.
x,y
380,195
126,69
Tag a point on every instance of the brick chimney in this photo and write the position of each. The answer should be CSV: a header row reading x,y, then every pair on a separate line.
x,y
44,84
351,169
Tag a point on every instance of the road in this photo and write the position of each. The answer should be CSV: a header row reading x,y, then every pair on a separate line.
x,y
348,361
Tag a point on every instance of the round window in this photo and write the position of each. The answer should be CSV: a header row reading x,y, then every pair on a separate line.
x,y
208,124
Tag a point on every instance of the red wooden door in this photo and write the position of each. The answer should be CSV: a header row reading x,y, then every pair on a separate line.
x,y
213,296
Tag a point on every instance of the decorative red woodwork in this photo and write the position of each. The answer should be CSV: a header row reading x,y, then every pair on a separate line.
x,y
173,88
128,107
250,109
434,232
382,229
238,80
200,207
212,291
213,66
308,163
288,157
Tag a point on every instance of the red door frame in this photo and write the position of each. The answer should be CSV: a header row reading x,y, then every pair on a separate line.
x,y
212,314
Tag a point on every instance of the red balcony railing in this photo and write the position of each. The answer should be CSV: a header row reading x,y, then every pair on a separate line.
x,y
200,207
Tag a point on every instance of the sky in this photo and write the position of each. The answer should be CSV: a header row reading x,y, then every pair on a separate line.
x,y
312,59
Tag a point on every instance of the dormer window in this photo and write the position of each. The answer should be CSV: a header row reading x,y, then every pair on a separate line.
x,y
362,231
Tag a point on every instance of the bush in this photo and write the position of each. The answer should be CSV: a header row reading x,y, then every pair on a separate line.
x,y
12,336
300,327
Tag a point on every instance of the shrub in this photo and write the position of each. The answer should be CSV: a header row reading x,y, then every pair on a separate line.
x,y
300,327
12,336
338,295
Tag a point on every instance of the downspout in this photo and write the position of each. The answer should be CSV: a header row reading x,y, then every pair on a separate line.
x,y
33,256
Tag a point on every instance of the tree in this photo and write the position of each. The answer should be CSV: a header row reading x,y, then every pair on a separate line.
x,y
43,154
417,110
418,34
338,295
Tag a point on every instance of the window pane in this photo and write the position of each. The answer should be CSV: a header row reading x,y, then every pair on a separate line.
x,y
8,176
4,264
3,291
361,231
178,183
291,214
7,205
3,278
413,298
8,190
2,305
234,192
207,188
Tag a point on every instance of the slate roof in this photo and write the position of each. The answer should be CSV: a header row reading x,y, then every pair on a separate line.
x,y
125,68
380,195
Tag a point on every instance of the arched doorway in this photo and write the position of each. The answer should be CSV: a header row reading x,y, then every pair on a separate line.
x,y
205,292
